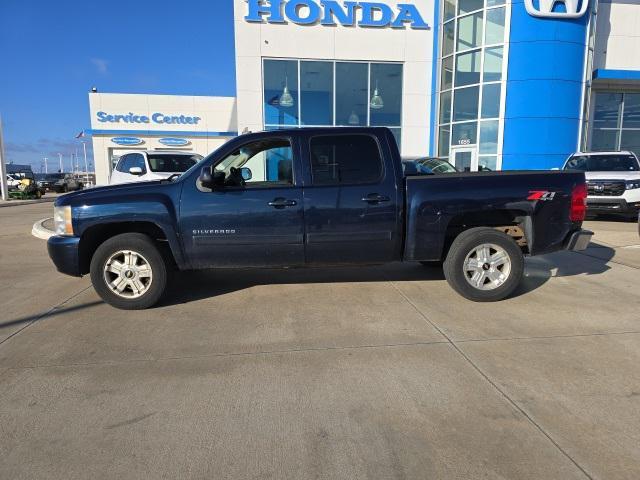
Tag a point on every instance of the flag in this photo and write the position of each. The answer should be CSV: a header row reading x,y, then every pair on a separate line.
x,y
81,134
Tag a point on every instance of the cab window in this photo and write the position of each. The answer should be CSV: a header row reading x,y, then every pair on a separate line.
x,y
345,160
270,163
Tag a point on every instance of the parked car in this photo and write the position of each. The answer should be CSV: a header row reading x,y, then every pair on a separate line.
x,y
60,182
613,181
317,196
12,182
142,166
427,166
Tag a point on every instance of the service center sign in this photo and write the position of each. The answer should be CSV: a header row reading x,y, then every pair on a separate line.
x,y
331,13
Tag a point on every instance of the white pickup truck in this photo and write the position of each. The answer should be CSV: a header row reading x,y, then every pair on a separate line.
x,y
613,181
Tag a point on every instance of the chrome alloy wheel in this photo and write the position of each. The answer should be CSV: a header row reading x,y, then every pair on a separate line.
x,y
487,267
128,274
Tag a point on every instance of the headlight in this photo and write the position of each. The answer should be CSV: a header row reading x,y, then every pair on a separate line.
x,y
631,184
62,220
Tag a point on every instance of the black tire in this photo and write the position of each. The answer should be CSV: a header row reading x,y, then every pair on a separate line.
x,y
464,245
65,188
143,246
80,186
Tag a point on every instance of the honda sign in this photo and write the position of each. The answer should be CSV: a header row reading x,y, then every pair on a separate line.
x,y
545,8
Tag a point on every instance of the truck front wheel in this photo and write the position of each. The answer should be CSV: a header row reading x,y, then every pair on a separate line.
x,y
128,272
484,265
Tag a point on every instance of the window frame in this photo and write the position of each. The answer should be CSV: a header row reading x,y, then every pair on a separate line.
x,y
383,170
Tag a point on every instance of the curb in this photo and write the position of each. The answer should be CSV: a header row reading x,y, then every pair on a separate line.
x,y
17,203
40,231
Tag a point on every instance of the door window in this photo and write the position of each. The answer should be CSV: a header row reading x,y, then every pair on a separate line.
x,y
123,163
345,159
137,160
269,161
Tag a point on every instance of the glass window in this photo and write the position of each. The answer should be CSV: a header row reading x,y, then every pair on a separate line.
x,y
630,140
603,163
443,140
345,159
491,100
631,118
449,9
447,73
488,163
604,140
448,38
466,6
386,94
351,93
122,164
495,26
136,160
468,68
281,92
464,133
445,107
168,163
465,104
270,162
489,137
493,3
492,64
316,93
607,110
470,31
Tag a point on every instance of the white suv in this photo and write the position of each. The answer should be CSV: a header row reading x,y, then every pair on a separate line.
x,y
613,180
148,165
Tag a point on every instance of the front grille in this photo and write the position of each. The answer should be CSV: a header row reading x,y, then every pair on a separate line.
x,y
606,188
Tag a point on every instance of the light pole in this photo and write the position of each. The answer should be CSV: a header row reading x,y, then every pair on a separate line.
x,y
46,170
60,158
86,169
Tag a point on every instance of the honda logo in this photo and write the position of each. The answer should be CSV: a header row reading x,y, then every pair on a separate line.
x,y
573,8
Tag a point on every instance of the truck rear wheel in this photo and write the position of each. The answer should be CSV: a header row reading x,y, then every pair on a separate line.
x,y
129,272
484,265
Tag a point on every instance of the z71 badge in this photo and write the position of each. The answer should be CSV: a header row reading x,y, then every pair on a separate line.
x,y
541,195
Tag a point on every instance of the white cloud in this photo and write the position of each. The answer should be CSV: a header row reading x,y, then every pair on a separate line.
x,y
101,65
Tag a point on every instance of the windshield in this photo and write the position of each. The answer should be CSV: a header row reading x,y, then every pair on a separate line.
x,y
437,166
54,176
603,163
167,163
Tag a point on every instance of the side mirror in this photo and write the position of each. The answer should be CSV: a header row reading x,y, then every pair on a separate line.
x,y
246,174
135,171
210,178
205,178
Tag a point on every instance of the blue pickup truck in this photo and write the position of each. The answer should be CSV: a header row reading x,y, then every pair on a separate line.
x,y
311,197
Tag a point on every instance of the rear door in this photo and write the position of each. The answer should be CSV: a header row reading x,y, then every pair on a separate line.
x,y
351,204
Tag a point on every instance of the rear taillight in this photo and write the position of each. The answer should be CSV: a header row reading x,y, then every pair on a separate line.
x,y
578,203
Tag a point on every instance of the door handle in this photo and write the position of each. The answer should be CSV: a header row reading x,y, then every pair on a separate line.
x,y
375,198
282,203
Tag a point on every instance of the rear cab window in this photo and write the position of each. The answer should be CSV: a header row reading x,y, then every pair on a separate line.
x,y
345,159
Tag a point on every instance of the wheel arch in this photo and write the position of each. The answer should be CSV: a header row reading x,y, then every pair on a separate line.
x,y
94,236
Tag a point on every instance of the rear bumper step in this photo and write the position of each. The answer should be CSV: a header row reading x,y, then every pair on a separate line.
x,y
579,240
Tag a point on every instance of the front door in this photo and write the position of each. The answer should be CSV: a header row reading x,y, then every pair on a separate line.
x,y
464,158
246,223
351,208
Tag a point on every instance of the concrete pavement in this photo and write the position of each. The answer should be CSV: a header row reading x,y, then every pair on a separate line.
x,y
377,372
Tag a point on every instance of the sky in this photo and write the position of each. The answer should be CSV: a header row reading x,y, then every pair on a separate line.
x,y
53,53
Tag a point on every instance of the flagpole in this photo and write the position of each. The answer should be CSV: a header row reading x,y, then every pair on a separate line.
x,y
3,171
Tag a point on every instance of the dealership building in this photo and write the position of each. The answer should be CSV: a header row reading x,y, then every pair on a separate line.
x,y
501,84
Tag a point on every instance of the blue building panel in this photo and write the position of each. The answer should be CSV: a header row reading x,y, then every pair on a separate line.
x,y
545,80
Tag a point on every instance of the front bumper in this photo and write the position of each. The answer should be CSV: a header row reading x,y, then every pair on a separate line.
x,y
579,240
612,205
65,254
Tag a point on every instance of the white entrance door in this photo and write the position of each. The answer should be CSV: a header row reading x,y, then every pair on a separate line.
x,y
464,158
